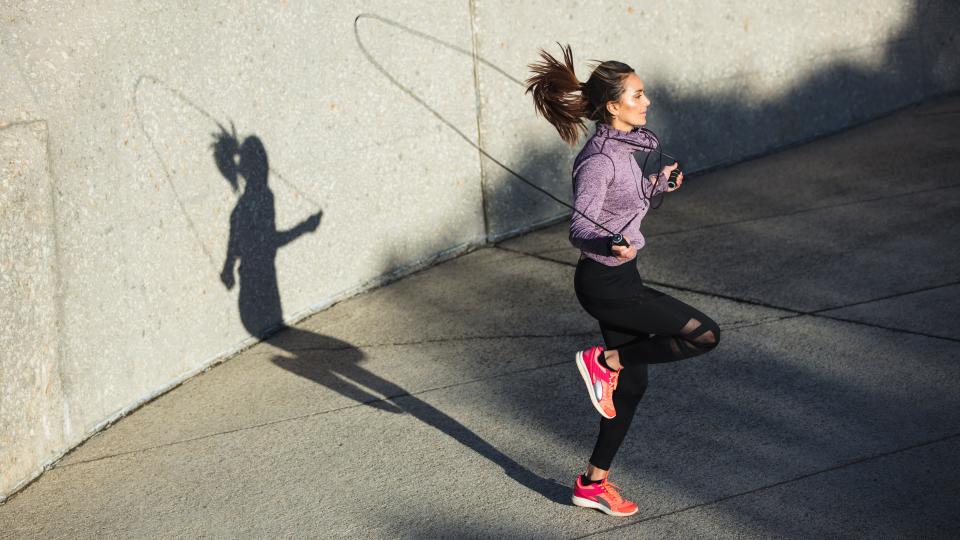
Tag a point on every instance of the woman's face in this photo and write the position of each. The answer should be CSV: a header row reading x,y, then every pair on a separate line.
x,y
631,110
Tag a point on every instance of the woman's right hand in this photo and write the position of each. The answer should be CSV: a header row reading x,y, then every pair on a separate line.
x,y
624,253
226,277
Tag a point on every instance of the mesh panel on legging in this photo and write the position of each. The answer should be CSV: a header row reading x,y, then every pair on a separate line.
x,y
696,338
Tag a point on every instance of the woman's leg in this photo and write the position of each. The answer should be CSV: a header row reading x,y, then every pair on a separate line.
x,y
630,389
681,331
628,313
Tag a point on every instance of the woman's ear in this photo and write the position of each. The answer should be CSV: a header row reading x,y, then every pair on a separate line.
x,y
613,108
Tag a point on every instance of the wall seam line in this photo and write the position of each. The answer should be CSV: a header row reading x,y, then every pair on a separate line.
x,y
924,75
59,289
478,107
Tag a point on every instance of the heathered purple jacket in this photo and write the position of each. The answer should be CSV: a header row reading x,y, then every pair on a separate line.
x,y
609,188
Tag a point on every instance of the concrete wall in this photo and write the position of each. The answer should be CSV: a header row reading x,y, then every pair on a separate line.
x,y
116,216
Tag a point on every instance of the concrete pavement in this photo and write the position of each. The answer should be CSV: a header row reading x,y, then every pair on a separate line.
x,y
447,404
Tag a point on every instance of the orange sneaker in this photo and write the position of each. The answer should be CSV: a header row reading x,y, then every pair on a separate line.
x,y
600,381
602,496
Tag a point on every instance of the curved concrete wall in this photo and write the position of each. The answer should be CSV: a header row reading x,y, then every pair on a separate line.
x,y
136,250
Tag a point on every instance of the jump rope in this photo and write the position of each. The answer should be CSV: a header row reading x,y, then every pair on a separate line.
x,y
617,238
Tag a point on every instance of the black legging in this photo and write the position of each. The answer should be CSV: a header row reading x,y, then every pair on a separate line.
x,y
629,312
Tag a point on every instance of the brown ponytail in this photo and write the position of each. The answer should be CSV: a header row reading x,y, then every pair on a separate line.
x,y
564,101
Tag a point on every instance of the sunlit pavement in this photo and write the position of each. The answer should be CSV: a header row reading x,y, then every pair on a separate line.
x,y
447,403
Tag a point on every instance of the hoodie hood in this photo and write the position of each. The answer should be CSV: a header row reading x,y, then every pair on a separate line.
x,y
627,141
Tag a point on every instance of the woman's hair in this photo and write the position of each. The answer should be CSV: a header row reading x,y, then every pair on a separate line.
x,y
564,101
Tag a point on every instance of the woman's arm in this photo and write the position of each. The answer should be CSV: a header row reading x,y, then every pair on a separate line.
x,y
308,225
590,180
659,181
233,250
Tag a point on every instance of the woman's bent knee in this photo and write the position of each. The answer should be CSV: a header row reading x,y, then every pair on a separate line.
x,y
712,336
705,338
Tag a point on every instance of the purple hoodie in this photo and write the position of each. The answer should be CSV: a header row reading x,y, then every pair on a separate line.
x,y
607,187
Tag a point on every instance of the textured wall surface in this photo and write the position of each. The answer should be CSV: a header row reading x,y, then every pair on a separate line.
x,y
32,423
726,80
137,247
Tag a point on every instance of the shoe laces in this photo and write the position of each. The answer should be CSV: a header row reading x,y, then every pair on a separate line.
x,y
612,489
614,378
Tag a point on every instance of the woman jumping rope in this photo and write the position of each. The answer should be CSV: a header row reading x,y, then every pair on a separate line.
x,y
640,325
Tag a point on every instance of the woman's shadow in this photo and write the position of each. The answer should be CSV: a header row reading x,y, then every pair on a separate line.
x,y
254,242
254,238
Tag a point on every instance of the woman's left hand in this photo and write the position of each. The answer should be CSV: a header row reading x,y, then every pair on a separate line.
x,y
665,174
679,181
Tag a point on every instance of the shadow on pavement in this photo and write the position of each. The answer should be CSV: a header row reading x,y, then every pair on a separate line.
x,y
254,241
335,365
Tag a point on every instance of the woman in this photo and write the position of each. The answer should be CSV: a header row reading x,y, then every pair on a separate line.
x,y
609,189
